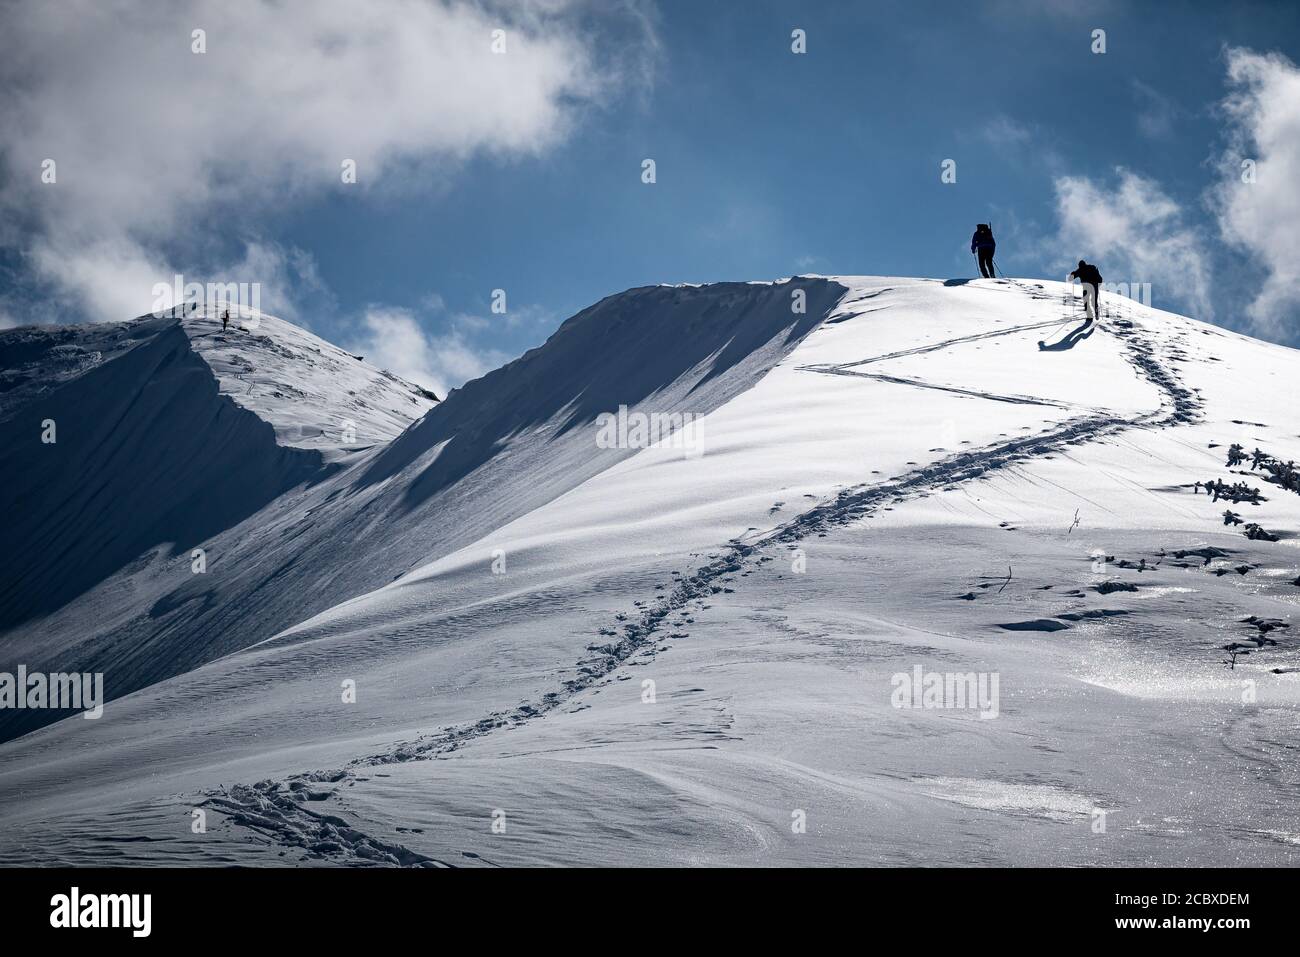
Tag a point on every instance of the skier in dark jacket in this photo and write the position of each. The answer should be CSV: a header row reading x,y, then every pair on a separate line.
x,y
983,245
225,320
1091,279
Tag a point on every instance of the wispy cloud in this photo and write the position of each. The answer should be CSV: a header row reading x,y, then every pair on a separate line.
x,y
1005,133
292,287
400,340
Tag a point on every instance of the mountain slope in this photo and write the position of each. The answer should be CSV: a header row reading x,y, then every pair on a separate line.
x,y
157,449
361,513
144,452
912,483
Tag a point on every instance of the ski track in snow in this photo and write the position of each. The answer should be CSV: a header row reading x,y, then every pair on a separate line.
x,y
277,809
899,380
850,368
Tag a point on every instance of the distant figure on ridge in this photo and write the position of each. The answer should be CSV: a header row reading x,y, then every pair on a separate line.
x,y
1091,279
982,244
225,319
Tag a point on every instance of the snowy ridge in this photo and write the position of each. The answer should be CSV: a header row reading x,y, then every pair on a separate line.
x,y
145,452
158,449
348,521
905,480
314,394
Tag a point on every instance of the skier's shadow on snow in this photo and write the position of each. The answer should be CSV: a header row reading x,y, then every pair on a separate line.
x,y
956,282
1071,338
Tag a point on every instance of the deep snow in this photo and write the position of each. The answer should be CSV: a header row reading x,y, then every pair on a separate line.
x,y
898,477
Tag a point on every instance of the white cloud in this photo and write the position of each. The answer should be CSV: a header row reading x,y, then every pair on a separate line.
x,y
163,153
1135,233
107,278
1263,218
288,276
395,340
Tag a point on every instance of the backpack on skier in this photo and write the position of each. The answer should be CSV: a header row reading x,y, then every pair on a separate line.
x,y
1087,273
1090,276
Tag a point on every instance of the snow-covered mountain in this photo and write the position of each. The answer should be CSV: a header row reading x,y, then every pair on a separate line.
x,y
305,506
130,445
502,638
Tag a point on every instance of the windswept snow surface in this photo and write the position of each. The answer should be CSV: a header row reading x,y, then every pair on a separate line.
x,y
692,655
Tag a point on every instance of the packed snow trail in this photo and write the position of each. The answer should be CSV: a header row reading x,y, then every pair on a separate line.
x,y
275,810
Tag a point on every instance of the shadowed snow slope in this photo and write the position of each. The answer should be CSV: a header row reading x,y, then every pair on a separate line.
x,y
277,466
165,433
669,656
137,450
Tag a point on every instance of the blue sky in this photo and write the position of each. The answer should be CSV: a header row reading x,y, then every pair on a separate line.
x,y
768,163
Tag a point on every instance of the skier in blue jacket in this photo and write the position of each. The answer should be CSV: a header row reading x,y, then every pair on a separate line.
x,y
982,245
